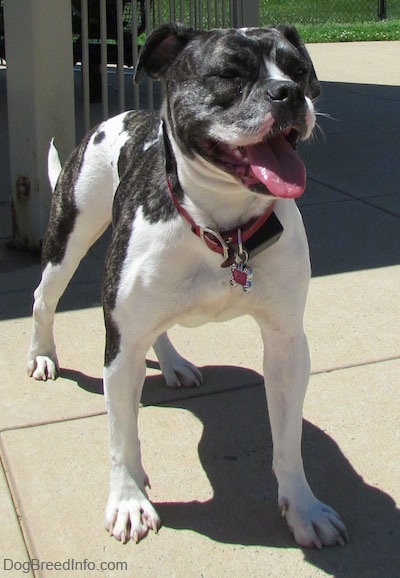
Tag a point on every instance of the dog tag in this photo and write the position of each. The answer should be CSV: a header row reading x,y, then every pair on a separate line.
x,y
241,274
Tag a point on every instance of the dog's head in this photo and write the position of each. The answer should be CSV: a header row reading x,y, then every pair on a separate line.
x,y
240,99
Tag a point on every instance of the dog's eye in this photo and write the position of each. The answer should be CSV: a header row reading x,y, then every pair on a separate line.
x,y
300,73
230,74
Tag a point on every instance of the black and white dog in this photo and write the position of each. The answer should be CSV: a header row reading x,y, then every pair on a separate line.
x,y
205,228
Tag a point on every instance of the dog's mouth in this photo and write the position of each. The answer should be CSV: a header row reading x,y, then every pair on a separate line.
x,y
272,163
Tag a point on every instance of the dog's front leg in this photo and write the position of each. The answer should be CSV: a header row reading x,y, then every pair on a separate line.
x,y
129,513
286,371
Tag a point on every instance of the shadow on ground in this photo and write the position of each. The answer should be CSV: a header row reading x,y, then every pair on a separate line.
x,y
235,451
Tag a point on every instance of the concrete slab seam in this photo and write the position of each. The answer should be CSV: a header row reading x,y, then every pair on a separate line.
x,y
351,197
354,365
205,394
12,490
51,422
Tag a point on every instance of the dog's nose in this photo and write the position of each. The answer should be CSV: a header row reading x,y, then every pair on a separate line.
x,y
285,91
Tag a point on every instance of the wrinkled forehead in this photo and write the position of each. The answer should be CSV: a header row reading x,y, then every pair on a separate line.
x,y
263,44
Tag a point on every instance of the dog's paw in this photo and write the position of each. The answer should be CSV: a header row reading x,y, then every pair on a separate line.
x,y
131,518
181,373
317,525
43,367
177,371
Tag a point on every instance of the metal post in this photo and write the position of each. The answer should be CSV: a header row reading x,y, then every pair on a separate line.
x,y
85,63
245,13
103,58
40,93
382,9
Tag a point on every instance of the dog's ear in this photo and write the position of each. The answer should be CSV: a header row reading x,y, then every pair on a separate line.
x,y
160,50
291,34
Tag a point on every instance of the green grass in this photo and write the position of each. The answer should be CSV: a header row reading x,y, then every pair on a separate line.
x,y
334,20
322,11
350,32
317,20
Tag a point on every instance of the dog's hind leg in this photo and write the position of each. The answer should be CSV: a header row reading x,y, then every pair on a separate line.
x,y
80,213
176,369
42,360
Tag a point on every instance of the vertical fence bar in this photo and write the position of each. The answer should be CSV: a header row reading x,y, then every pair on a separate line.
x,y
103,51
172,10
85,63
148,16
226,14
241,17
181,12
150,99
159,13
237,13
250,16
201,13
191,13
120,57
134,21
382,9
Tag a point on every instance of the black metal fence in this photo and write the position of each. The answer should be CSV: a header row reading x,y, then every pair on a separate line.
x,y
324,11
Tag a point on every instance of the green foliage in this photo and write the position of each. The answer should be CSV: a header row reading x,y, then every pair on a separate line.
x,y
322,11
350,32
334,20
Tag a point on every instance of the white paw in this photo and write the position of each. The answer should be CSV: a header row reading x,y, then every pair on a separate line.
x,y
314,525
130,518
177,371
43,367
181,373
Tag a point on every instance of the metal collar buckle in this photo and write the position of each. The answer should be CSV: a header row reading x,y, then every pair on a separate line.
x,y
216,235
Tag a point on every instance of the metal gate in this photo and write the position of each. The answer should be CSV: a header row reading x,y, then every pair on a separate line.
x,y
107,35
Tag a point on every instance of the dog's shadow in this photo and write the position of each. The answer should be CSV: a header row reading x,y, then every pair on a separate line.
x,y
235,451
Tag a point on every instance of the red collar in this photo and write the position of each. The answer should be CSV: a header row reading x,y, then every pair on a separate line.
x,y
225,243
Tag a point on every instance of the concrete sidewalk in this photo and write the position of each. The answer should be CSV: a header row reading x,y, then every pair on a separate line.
x,y
208,451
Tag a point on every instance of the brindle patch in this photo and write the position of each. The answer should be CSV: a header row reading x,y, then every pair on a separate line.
x,y
143,184
63,212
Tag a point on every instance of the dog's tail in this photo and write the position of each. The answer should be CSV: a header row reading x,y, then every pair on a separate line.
x,y
53,165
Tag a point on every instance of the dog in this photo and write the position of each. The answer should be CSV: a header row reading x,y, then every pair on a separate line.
x,y
205,228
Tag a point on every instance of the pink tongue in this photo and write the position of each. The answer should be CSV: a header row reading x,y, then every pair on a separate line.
x,y
278,166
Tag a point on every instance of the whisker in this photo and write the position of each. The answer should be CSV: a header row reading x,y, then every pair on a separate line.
x,y
326,115
318,131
